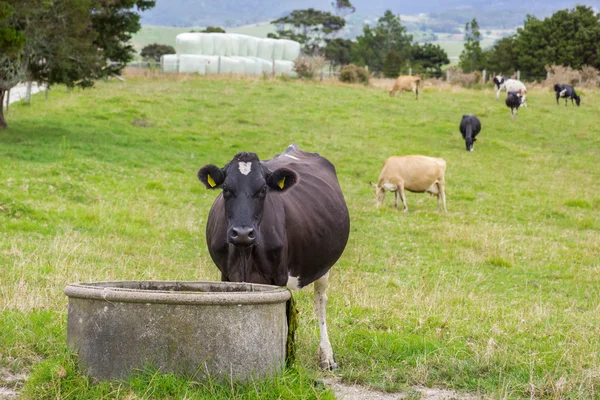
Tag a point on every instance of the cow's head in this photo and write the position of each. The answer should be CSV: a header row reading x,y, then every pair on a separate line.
x,y
498,81
245,182
577,100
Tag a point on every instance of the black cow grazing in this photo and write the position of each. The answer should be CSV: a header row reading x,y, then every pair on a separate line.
x,y
469,128
513,100
568,92
281,222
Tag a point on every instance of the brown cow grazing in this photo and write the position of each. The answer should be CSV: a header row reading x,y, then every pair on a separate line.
x,y
414,173
408,83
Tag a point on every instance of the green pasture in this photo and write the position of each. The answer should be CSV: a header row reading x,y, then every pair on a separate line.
x,y
499,297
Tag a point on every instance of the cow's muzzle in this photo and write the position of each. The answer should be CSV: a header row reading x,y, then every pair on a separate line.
x,y
242,236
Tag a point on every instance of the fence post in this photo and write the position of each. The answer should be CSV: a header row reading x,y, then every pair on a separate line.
x,y
219,66
47,92
519,75
410,72
547,75
7,100
447,75
483,76
580,79
273,67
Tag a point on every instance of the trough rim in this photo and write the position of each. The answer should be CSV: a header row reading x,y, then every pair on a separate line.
x,y
265,294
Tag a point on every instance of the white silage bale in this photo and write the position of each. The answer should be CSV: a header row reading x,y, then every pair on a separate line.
x,y
233,45
284,67
208,44
192,63
253,46
230,65
265,48
169,63
188,43
278,49
292,49
254,67
220,43
266,66
211,65
243,45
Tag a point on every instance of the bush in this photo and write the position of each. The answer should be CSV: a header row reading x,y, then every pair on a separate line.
x,y
588,76
458,77
155,50
353,74
309,67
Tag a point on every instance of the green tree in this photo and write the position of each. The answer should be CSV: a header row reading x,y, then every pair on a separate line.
x,y
71,42
12,41
471,58
568,37
211,29
374,46
343,8
339,51
501,58
311,28
429,58
155,51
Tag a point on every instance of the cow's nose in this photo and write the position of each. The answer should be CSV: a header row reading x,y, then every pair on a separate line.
x,y
242,236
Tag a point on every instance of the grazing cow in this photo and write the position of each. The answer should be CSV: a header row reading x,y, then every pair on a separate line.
x,y
513,100
414,173
282,222
469,128
510,85
568,92
408,83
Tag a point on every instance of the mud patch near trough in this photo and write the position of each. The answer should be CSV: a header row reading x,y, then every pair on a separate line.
x,y
10,384
356,392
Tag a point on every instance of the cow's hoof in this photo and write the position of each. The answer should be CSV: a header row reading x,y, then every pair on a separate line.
x,y
328,365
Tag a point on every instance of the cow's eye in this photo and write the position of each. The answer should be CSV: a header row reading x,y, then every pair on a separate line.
x,y
264,189
226,193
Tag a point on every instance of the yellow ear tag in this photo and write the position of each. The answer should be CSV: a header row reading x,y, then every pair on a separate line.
x,y
211,181
281,182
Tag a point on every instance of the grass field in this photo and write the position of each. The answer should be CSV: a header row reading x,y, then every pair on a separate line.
x,y
499,297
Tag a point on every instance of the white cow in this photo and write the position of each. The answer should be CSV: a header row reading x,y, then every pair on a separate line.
x,y
510,85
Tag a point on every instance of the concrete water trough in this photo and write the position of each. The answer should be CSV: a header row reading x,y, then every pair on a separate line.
x,y
223,330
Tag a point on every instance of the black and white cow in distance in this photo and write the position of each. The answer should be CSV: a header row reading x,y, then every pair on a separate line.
x,y
281,222
470,126
513,101
567,92
510,85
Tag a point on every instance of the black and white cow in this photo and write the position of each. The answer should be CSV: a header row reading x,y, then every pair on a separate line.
x,y
513,100
567,92
470,126
282,222
510,85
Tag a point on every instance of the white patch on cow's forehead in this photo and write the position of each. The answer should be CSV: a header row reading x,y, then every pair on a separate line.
x,y
245,167
292,157
293,282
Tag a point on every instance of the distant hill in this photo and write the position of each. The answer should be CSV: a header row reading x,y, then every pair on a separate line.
x,y
230,13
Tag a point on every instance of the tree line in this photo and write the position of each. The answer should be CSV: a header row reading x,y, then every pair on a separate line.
x,y
568,37
386,48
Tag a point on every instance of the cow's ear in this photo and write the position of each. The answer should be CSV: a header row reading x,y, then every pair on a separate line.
x,y
282,179
212,176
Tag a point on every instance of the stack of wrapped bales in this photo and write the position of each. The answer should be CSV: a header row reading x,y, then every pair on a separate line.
x,y
231,53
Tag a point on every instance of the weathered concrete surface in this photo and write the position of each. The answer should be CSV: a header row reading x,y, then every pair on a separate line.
x,y
224,330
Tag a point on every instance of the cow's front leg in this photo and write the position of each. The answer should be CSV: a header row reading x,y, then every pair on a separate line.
x,y
326,360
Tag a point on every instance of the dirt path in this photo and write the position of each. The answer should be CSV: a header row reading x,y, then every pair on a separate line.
x,y
356,392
